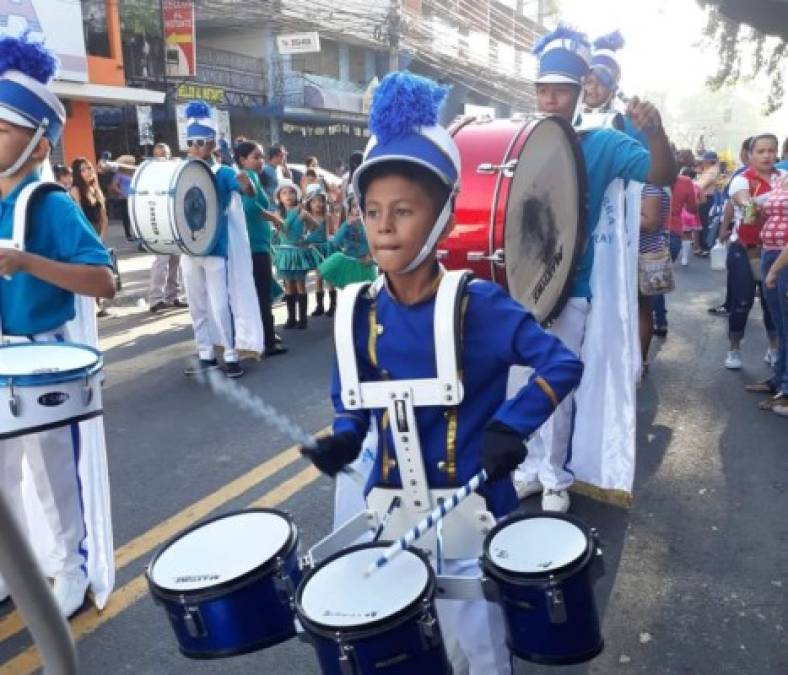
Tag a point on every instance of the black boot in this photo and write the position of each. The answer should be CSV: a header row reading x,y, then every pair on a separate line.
x,y
302,298
319,310
332,302
290,301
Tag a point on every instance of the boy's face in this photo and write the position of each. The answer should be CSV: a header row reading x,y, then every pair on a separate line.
x,y
557,99
398,217
13,140
204,151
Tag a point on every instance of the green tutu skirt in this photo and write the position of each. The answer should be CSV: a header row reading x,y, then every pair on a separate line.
x,y
339,270
292,262
319,253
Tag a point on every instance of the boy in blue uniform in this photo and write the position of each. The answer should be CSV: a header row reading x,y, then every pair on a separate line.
x,y
62,256
406,187
564,58
205,277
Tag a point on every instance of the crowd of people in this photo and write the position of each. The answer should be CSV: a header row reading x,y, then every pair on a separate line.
x,y
741,215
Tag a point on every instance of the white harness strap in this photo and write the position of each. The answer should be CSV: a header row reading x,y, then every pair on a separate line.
x,y
19,229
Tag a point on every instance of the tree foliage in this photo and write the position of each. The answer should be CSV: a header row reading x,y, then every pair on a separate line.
x,y
737,43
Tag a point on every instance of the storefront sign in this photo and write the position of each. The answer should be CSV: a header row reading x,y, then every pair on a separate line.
x,y
180,51
57,23
188,91
298,43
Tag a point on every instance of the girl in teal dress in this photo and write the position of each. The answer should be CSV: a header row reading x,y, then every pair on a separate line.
x,y
352,261
315,203
292,257
259,216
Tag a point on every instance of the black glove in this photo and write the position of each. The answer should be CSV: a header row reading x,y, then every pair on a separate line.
x,y
333,452
502,450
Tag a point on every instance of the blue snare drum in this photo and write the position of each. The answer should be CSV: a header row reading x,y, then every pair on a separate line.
x,y
227,583
542,568
382,623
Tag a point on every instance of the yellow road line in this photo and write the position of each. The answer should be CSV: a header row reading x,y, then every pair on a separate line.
x,y
89,621
12,623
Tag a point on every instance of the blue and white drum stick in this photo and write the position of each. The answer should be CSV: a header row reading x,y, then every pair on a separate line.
x,y
418,531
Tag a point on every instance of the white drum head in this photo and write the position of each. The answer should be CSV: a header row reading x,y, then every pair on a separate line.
x,y
339,595
196,207
34,359
543,220
537,545
220,551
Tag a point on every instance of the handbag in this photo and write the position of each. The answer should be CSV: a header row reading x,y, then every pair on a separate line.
x,y
655,273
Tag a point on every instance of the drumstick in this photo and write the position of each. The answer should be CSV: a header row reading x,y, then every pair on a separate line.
x,y
386,517
418,531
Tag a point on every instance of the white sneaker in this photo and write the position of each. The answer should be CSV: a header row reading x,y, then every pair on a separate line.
x,y
733,360
555,500
770,357
526,488
69,590
4,594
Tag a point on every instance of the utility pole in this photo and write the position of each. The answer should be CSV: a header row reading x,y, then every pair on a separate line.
x,y
394,28
540,12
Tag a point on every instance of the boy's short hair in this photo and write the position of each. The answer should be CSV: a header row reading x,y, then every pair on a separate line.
x,y
434,187
61,170
275,151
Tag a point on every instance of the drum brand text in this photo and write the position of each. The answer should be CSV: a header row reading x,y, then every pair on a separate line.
x,y
152,212
192,578
548,275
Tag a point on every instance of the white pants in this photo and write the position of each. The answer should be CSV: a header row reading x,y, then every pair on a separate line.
x,y
550,448
473,630
164,279
205,278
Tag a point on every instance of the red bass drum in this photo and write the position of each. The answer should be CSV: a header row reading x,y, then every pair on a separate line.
x,y
519,213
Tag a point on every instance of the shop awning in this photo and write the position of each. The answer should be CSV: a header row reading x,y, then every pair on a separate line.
x,y
106,94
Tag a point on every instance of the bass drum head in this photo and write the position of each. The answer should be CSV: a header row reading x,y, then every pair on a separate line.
x,y
544,218
196,207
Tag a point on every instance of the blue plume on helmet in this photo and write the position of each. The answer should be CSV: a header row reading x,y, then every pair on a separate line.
x,y
403,103
198,110
612,41
30,58
561,32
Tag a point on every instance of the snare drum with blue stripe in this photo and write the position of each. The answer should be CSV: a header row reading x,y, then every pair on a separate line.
x,y
44,385
385,622
541,568
227,584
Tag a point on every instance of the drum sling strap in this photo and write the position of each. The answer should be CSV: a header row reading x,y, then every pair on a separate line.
x,y
399,399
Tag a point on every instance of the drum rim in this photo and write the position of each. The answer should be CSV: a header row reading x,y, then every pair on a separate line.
x,y
360,632
230,585
61,376
512,576
582,205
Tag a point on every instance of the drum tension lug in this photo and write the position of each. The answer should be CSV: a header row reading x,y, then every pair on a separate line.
x,y
556,608
192,619
346,661
13,402
87,392
428,625
283,583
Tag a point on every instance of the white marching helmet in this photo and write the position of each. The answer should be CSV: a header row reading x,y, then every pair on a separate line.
x,y
287,183
403,119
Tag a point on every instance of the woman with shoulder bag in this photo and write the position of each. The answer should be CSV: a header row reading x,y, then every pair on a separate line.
x,y
655,272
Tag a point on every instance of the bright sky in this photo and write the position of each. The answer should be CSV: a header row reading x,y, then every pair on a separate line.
x,y
663,51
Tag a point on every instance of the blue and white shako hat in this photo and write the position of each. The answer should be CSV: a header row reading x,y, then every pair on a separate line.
x,y
403,119
26,68
564,57
604,62
200,125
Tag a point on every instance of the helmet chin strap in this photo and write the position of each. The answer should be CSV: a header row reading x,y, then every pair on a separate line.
x,y
37,136
433,237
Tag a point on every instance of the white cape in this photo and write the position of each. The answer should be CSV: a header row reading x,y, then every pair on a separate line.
x,y
247,322
604,431
94,475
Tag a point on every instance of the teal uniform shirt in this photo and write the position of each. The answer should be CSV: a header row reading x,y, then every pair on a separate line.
x,y
226,184
319,235
57,230
351,239
293,229
608,154
258,227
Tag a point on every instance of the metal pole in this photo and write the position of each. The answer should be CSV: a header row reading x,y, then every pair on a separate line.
x,y
540,12
394,35
33,598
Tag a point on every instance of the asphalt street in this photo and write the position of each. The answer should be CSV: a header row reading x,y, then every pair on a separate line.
x,y
696,570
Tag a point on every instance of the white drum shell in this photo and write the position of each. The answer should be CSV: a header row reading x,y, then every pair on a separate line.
x,y
157,206
30,407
